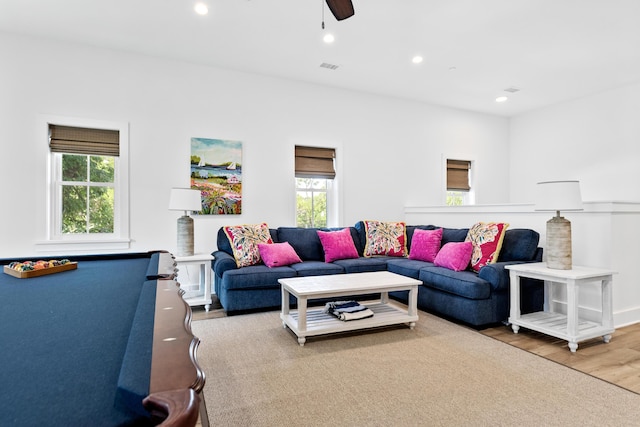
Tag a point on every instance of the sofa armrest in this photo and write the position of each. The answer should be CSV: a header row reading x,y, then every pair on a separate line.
x,y
497,274
223,262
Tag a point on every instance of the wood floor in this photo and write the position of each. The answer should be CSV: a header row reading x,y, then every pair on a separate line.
x,y
617,362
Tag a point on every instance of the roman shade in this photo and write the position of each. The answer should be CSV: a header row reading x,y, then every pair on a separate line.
x,y
313,162
97,142
458,175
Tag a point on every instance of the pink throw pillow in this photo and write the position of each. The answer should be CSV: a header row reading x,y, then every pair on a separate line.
x,y
454,256
425,244
337,245
278,254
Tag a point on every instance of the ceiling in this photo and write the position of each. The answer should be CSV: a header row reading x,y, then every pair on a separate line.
x,y
551,50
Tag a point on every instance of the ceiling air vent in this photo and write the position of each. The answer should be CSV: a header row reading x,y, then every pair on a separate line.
x,y
512,89
328,66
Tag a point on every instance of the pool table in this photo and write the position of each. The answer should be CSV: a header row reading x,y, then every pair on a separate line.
x,y
106,344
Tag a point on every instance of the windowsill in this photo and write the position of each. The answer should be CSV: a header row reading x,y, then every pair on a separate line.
x,y
66,246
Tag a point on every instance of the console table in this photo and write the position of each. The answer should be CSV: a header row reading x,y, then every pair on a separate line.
x,y
568,327
196,284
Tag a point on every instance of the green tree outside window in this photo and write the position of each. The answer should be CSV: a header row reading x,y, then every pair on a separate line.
x,y
311,202
87,194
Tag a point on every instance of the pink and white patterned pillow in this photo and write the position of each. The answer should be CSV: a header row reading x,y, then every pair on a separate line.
x,y
244,241
385,238
487,241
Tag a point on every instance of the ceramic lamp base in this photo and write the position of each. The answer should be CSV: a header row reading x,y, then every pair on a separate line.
x,y
558,248
185,236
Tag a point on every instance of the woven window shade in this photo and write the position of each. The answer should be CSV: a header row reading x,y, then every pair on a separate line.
x,y
458,175
315,162
97,142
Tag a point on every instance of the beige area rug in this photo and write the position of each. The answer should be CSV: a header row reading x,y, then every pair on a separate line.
x,y
439,374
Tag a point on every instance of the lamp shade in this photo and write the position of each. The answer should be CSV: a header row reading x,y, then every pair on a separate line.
x,y
185,199
558,196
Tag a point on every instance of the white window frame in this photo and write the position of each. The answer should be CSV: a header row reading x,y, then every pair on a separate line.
x,y
55,241
469,197
334,191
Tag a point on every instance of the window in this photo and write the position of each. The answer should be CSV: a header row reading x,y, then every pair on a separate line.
x,y
458,182
315,172
88,190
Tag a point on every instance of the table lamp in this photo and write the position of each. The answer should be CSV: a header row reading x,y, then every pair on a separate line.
x,y
185,199
558,196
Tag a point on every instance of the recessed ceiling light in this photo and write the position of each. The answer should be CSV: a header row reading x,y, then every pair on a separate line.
x,y
328,38
501,99
201,9
417,59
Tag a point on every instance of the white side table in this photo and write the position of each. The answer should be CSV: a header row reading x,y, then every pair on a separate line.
x,y
568,327
194,277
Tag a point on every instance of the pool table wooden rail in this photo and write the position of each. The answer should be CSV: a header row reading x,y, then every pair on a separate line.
x,y
176,378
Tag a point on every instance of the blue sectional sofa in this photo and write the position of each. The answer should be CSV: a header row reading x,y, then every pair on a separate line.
x,y
476,299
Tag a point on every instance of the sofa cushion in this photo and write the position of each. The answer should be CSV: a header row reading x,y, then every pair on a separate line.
x,y
244,240
256,277
385,238
464,283
407,267
337,245
305,241
519,245
454,235
486,238
222,262
425,245
278,254
454,256
363,265
316,268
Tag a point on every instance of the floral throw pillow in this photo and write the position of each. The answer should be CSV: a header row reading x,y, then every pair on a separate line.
x,y
244,241
385,238
486,238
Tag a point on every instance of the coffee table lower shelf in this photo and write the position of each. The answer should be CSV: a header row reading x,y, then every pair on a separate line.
x,y
321,323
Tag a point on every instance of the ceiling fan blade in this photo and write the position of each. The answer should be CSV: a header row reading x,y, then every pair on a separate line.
x,y
341,9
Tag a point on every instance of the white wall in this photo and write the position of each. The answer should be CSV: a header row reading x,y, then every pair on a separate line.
x,y
390,151
593,139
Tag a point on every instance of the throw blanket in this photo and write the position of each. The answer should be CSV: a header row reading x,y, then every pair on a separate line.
x,y
347,310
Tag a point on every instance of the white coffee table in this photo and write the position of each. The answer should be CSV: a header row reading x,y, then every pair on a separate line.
x,y
305,323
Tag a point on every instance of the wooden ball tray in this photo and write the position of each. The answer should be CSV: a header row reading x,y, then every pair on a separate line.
x,y
41,272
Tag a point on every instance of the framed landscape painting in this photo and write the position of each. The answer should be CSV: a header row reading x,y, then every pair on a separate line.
x,y
216,170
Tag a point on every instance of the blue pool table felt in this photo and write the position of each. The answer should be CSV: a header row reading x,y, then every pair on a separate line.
x,y
63,340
